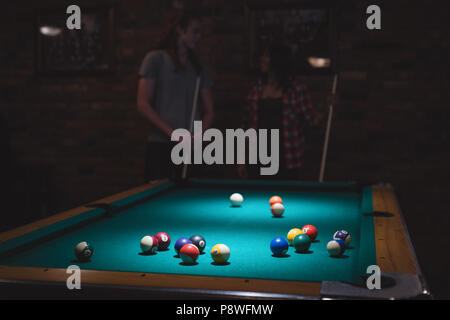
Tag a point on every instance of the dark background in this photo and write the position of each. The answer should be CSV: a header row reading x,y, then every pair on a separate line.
x,y
68,140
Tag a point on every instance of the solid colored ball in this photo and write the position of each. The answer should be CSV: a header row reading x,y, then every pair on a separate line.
x,y
279,246
310,231
344,236
84,251
236,199
292,234
180,243
199,242
189,253
335,247
275,199
220,253
277,209
301,243
149,244
163,240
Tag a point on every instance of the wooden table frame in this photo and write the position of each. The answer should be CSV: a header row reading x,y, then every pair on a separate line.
x,y
394,254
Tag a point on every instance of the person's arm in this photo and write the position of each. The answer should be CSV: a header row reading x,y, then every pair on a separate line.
x,y
208,108
146,90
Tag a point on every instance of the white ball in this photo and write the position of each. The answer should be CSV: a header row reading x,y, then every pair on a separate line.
x,y
147,244
236,199
277,209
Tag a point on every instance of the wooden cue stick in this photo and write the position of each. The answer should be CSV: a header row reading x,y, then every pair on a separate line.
x,y
327,134
191,124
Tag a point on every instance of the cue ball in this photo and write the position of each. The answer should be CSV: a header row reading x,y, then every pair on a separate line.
x,y
84,251
149,244
220,253
236,199
199,242
277,209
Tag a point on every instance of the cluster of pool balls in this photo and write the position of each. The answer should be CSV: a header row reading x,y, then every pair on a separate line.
x,y
188,249
300,239
275,202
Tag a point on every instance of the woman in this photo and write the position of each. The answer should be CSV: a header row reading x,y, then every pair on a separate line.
x,y
166,89
277,100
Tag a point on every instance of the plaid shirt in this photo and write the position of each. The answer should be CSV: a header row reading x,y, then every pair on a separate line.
x,y
297,109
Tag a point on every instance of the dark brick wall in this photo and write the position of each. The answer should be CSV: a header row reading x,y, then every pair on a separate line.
x,y
390,125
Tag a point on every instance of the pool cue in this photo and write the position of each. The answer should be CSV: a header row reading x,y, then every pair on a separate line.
x,y
327,134
191,124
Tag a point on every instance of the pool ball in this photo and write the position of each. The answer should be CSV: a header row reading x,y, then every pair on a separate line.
x,y
343,235
292,234
310,231
279,246
199,242
301,243
277,209
335,247
84,251
163,240
189,253
275,199
180,243
220,253
236,199
149,244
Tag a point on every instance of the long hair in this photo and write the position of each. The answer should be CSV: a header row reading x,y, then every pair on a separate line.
x,y
280,63
169,38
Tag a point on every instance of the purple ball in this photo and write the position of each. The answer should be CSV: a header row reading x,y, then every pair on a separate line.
x,y
180,243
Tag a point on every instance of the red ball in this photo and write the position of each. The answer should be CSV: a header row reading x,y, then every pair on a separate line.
x,y
310,231
163,240
189,253
275,199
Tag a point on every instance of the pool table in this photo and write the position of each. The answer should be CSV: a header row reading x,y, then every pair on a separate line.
x,y
34,258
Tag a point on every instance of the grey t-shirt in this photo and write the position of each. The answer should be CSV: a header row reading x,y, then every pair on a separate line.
x,y
174,91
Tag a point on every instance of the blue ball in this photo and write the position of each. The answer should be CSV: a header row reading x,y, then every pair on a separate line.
x,y
180,243
343,235
335,247
279,246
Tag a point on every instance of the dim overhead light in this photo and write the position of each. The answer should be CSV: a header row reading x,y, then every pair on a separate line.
x,y
317,62
50,31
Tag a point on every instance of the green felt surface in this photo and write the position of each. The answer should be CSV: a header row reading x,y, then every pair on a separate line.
x,y
205,209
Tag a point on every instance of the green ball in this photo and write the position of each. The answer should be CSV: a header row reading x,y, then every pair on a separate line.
x,y
301,243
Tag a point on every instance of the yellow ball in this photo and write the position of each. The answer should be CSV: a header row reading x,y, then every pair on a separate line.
x,y
220,253
292,234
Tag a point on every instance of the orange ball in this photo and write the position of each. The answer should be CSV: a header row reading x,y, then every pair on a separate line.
x,y
275,199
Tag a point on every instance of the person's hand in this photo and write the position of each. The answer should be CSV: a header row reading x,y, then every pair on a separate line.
x,y
242,171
